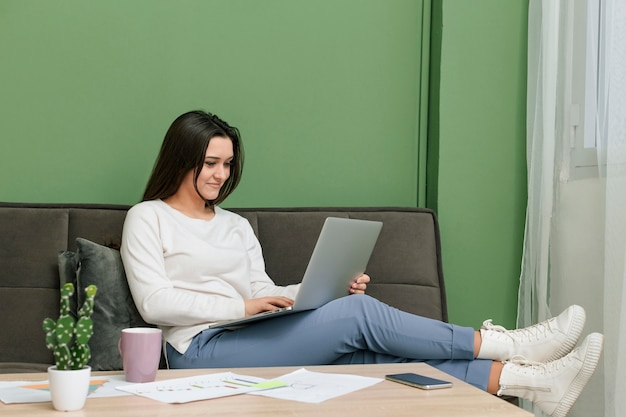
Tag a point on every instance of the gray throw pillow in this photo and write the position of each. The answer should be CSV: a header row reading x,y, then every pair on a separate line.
x,y
114,307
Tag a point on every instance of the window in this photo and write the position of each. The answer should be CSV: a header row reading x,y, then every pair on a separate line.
x,y
581,87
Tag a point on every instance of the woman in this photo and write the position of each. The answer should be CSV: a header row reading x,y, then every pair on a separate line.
x,y
190,263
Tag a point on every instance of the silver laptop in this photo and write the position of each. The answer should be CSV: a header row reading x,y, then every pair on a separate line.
x,y
341,253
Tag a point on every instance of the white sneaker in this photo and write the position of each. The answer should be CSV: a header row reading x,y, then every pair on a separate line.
x,y
553,386
549,340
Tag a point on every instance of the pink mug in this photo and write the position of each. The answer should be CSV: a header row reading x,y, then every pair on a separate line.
x,y
140,348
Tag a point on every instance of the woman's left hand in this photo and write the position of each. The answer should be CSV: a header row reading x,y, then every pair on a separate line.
x,y
359,284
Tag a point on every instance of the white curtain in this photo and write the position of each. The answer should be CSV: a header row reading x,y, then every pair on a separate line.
x,y
612,160
575,237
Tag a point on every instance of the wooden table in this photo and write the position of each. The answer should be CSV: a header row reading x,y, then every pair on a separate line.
x,y
383,399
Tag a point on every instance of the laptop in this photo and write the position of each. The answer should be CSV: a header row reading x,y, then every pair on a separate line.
x,y
341,254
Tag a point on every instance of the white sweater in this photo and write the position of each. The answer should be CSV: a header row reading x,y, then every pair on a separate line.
x,y
186,273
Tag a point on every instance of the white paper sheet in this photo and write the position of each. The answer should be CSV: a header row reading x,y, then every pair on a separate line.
x,y
201,387
315,387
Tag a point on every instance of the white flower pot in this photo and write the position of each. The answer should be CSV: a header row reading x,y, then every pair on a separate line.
x,y
69,389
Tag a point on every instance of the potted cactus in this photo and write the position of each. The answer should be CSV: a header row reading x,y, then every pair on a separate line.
x,y
68,339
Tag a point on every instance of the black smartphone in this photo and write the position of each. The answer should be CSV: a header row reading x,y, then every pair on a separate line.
x,y
419,381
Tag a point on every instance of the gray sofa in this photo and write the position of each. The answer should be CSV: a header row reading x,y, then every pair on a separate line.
x,y
42,245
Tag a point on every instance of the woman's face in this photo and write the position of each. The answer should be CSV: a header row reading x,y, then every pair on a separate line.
x,y
216,168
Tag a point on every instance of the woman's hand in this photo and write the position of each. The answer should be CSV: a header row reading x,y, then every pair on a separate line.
x,y
258,305
359,285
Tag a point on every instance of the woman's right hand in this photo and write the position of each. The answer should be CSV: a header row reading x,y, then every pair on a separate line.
x,y
258,305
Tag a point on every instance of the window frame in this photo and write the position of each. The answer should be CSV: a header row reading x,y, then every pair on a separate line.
x,y
581,87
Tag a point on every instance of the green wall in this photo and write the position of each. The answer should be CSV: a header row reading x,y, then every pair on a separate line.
x,y
477,145
328,95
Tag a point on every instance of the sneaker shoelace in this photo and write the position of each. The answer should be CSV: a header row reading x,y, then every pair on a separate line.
x,y
539,368
531,333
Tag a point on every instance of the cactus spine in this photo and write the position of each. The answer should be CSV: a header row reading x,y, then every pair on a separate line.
x,y
68,338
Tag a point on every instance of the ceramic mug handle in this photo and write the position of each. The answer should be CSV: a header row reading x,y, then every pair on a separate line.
x,y
119,347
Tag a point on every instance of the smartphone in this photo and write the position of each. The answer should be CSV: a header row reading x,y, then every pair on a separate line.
x,y
419,381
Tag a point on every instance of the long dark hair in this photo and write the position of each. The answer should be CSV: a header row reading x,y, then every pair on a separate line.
x,y
184,149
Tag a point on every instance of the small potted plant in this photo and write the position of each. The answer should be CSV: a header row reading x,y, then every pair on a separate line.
x,y
68,339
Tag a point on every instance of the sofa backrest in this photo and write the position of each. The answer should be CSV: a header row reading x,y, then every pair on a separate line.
x,y
31,235
405,266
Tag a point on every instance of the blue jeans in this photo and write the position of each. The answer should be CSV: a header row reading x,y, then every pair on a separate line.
x,y
355,329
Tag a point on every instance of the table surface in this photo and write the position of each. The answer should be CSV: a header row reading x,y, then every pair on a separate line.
x,y
383,399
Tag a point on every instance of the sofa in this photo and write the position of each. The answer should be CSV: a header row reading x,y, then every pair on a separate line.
x,y
45,245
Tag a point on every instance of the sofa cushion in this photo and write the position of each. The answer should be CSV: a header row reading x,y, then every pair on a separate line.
x,y
114,308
